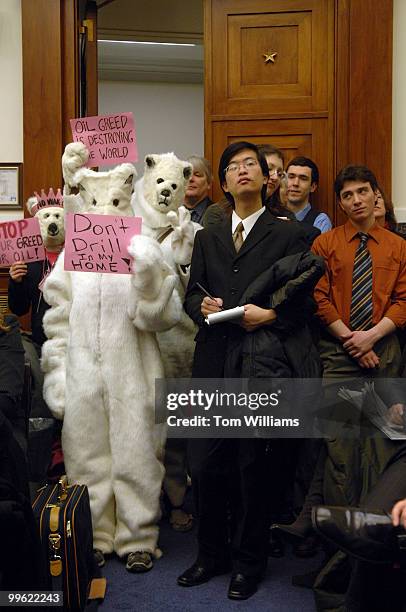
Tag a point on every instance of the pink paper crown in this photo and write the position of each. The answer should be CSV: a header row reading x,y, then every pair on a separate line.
x,y
45,200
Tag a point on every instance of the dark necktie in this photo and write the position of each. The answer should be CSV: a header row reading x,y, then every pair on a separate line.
x,y
361,299
194,216
237,236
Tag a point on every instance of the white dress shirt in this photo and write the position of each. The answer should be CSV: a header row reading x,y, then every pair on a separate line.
x,y
248,222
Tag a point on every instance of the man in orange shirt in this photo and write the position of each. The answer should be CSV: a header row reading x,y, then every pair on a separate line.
x,y
361,301
351,347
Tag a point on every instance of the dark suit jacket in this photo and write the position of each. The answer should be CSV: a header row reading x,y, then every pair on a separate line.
x,y
227,274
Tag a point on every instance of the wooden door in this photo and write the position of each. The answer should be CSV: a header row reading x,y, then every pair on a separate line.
x,y
53,75
283,72
52,70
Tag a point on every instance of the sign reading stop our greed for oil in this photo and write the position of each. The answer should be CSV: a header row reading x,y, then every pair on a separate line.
x,y
99,243
110,139
20,240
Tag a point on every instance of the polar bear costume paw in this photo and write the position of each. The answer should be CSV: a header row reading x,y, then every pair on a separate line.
x,y
75,156
158,306
182,236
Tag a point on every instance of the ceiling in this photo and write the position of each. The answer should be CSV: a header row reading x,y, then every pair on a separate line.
x,y
180,60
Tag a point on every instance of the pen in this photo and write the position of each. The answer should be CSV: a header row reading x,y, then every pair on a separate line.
x,y
207,293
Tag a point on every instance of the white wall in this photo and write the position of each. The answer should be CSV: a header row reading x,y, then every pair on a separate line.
x,y
168,116
11,96
399,109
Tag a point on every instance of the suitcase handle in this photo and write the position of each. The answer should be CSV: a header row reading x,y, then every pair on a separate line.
x,y
63,488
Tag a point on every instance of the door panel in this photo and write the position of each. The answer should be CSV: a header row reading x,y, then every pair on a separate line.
x,y
271,56
251,37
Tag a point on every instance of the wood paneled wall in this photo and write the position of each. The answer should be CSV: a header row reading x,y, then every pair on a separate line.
x,y
364,47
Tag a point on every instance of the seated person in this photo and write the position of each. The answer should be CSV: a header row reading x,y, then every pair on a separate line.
x,y
375,540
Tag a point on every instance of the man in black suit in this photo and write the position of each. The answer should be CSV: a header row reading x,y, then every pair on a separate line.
x,y
229,476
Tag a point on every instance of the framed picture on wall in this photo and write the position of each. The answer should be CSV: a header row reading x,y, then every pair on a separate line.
x,y
11,181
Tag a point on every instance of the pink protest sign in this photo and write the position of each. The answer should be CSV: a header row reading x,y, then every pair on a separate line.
x,y
98,243
109,138
20,240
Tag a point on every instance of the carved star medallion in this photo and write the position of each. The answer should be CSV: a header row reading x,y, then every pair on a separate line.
x,y
270,57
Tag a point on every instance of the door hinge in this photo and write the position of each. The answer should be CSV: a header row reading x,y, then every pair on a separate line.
x,y
88,26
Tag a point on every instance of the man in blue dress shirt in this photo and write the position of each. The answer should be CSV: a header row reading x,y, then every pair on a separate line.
x,y
303,179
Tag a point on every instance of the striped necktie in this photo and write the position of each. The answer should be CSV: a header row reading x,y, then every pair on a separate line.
x,y
237,236
361,299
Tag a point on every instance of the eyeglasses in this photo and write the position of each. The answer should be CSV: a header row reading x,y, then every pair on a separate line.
x,y
279,173
248,164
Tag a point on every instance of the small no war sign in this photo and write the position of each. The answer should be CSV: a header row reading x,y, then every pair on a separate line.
x,y
98,243
20,240
110,139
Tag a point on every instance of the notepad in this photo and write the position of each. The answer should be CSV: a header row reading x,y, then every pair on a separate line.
x,y
230,314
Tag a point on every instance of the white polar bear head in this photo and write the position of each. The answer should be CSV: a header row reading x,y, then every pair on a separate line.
x,y
106,193
164,182
51,218
102,193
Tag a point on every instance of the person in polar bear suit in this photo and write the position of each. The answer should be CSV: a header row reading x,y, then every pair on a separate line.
x,y
24,287
157,198
26,280
100,362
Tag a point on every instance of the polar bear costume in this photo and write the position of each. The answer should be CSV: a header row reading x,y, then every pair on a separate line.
x,y
101,362
158,199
